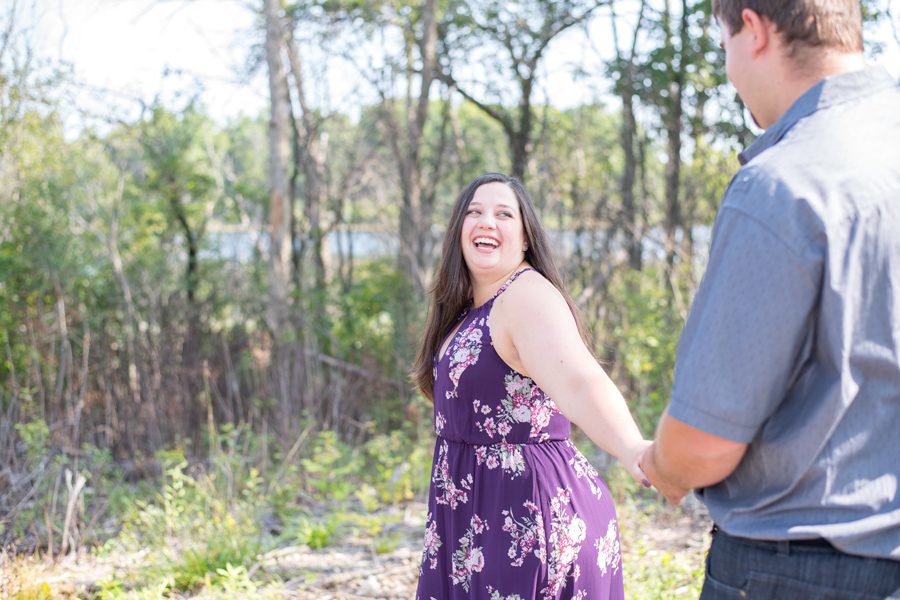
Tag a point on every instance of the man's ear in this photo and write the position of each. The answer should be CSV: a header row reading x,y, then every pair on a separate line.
x,y
761,30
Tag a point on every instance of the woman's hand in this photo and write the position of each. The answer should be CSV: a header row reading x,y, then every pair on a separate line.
x,y
631,460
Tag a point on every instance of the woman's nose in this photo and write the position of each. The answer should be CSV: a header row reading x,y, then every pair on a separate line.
x,y
486,221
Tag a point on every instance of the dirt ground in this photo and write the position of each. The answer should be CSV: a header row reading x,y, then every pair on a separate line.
x,y
361,567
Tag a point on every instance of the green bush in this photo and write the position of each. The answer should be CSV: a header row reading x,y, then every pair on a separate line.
x,y
397,467
204,526
317,533
332,468
220,556
647,335
660,574
35,435
104,496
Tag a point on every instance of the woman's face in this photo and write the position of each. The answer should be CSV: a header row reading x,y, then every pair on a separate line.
x,y
493,236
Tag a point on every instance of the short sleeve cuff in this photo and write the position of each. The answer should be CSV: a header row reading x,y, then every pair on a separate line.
x,y
711,424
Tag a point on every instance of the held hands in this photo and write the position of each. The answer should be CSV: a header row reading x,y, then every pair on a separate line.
x,y
647,462
631,461
639,460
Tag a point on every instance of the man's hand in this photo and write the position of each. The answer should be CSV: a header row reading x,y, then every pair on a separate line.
x,y
647,464
683,458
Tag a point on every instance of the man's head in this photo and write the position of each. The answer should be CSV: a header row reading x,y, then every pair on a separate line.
x,y
803,24
776,49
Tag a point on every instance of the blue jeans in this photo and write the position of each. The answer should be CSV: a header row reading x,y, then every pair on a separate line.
x,y
739,568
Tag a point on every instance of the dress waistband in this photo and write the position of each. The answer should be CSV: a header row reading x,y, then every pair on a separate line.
x,y
530,442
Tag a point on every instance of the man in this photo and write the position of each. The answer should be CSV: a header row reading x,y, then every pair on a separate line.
x,y
785,410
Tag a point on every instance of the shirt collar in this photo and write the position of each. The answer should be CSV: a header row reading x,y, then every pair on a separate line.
x,y
832,90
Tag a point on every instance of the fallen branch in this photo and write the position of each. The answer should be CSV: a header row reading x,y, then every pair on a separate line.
x,y
355,369
69,522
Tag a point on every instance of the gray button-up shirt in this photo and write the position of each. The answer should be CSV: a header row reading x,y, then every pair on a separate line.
x,y
793,341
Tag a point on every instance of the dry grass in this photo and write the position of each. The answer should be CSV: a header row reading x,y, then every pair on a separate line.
x,y
663,553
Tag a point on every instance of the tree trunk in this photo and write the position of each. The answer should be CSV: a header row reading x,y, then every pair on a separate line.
x,y
415,209
633,245
674,126
521,140
311,158
415,218
279,212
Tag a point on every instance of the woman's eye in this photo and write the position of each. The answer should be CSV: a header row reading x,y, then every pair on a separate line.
x,y
506,214
471,212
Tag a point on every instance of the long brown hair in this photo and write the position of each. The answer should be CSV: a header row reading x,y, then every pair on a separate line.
x,y
452,289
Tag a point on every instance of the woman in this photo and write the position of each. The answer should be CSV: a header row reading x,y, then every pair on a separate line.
x,y
515,511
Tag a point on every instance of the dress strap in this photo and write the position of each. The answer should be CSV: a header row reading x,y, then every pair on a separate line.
x,y
508,283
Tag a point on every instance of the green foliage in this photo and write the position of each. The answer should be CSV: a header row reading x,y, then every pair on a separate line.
x,y
103,496
387,469
41,591
115,589
647,332
396,467
235,580
486,148
222,500
317,533
653,574
368,326
104,234
329,468
35,435
220,557
662,556
203,525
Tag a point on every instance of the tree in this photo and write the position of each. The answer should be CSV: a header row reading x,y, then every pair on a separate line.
x,y
414,127
623,71
280,211
523,31
178,168
675,75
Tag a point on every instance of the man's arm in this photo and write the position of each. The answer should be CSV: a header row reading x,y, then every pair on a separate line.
x,y
748,333
684,457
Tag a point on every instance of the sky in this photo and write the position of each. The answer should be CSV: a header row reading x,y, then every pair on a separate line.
x,y
125,52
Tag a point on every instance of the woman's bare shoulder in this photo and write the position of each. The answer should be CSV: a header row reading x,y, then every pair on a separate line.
x,y
531,292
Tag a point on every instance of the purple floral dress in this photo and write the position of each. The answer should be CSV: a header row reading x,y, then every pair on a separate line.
x,y
515,511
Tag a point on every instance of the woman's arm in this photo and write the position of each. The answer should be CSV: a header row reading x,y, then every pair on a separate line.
x,y
535,333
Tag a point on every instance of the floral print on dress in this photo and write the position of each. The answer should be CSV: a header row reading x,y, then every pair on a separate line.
x,y
584,469
608,551
527,534
502,523
432,544
525,402
490,426
567,532
464,353
446,491
508,457
468,558
496,595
